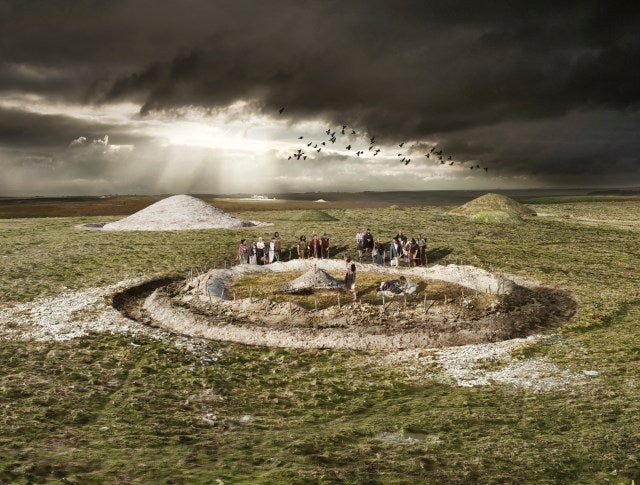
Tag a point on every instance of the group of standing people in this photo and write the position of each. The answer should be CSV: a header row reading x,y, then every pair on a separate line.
x,y
412,252
317,247
402,250
259,252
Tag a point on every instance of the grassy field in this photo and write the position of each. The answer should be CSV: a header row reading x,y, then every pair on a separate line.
x,y
125,409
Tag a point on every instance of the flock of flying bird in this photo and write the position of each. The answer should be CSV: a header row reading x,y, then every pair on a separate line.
x,y
373,149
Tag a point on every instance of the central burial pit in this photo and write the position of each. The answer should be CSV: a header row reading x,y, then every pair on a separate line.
x,y
302,304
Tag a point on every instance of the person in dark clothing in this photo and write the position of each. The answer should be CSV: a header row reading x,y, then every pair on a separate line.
x,y
350,278
324,246
367,241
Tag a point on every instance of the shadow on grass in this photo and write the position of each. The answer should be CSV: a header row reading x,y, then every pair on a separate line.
x,y
436,254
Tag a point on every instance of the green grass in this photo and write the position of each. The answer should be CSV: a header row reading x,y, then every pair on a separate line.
x,y
113,408
496,217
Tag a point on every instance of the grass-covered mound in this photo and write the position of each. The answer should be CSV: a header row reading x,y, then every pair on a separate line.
x,y
496,217
312,215
493,203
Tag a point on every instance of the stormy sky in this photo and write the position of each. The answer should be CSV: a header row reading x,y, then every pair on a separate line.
x,y
183,96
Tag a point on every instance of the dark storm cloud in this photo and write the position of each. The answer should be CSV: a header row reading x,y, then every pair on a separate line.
x,y
22,129
399,70
411,70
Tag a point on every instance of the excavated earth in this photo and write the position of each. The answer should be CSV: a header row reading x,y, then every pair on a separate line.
x,y
493,308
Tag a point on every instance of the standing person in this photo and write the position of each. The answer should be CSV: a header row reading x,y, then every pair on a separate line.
x,y
414,252
395,251
260,251
406,252
422,244
242,255
253,253
302,247
314,246
359,237
350,278
378,252
272,249
278,246
324,245
367,241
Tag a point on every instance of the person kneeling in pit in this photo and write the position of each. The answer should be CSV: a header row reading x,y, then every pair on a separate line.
x,y
398,287
408,286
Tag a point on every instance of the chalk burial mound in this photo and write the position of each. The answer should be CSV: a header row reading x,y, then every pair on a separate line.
x,y
312,280
490,203
179,213
312,215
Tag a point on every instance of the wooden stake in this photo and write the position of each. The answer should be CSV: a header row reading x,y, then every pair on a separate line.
x,y
338,300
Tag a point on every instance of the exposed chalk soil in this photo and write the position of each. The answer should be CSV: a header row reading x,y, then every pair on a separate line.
x,y
202,307
176,213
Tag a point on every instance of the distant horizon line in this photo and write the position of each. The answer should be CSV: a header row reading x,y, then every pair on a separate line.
x,y
248,194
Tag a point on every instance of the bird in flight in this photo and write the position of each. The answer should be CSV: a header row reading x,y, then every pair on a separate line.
x,y
401,144
348,147
281,110
309,144
406,162
358,153
353,132
300,137
486,169
373,140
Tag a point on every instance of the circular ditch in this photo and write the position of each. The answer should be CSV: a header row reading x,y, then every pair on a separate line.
x,y
452,305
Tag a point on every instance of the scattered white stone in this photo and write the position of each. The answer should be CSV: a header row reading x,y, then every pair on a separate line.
x,y
591,373
466,366
71,314
246,418
406,438
210,419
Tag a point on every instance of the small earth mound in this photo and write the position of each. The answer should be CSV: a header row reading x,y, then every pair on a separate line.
x,y
312,280
489,203
312,215
179,213
496,217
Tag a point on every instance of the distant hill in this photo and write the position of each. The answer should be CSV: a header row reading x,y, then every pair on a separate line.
x,y
616,192
491,202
